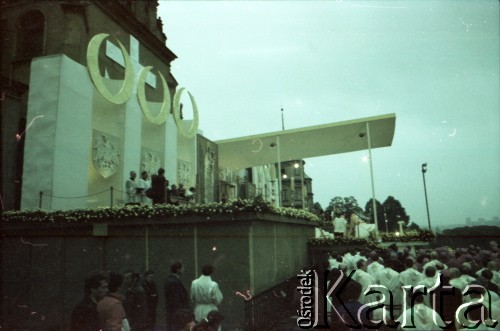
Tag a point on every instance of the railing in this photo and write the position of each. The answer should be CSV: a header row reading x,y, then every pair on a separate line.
x,y
265,310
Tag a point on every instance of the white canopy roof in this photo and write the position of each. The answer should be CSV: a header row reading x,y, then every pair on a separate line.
x,y
312,141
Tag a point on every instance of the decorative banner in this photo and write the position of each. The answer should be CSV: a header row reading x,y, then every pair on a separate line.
x,y
185,174
150,161
141,95
93,66
105,154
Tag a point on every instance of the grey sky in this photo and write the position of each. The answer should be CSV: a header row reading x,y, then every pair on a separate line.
x,y
435,64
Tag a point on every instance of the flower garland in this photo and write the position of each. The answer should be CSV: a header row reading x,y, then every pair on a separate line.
x,y
414,235
256,205
420,235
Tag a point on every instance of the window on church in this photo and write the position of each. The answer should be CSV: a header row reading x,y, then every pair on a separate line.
x,y
31,34
298,192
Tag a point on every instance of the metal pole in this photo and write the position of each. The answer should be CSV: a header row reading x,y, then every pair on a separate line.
x,y
302,183
279,172
111,197
40,200
375,217
424,170
282,120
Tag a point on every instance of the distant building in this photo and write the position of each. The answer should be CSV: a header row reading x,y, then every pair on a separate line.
x,y
296,185
495,221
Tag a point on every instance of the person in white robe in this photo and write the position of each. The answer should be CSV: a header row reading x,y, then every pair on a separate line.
x,y
410,276
143,184
457,281
389,278
492,265
429,281
364,278
434,262
339,226
205,294
424,318
375,267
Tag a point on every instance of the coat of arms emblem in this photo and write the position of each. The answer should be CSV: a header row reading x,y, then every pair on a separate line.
x,y
150,161
105,154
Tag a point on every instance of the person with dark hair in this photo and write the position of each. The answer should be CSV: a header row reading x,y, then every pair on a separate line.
x,y
420,317
211,322
135,301
159,186
176,295
410,276
184,320
151,292
346,315
205,294
110,308
364,278
85,316
485,280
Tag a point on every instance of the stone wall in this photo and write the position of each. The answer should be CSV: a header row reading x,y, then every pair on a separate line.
x,y
44,265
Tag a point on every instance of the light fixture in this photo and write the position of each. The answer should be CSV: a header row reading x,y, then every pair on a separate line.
x,y
424,168
296,165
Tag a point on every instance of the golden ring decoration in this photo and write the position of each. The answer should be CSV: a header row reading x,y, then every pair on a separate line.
x,y
259,148
141,95
177,114
93,66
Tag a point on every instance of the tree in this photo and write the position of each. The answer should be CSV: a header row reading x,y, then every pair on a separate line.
x,y
318,210
380,214
412,227
346,205
394,213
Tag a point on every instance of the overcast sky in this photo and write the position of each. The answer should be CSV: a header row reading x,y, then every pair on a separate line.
x,y
435,64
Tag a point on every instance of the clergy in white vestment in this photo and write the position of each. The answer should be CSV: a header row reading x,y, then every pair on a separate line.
x,y
476,314
410,276
375,267
205,294
389,278
142,186
364,278
434,262
424,318
429,281
492,265
339,226
457,281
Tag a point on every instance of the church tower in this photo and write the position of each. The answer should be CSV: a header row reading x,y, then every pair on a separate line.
x,y
52,109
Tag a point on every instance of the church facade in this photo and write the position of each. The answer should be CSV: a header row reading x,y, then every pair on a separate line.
x,y
87,97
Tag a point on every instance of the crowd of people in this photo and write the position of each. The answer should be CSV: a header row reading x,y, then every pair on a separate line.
x,y
432,269
128,302
156,190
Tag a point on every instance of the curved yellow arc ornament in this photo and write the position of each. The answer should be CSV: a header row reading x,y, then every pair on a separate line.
x,y
141,95
93,66
177,114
